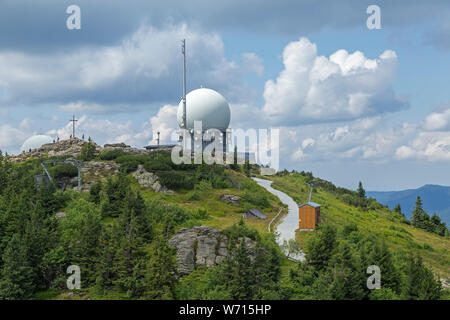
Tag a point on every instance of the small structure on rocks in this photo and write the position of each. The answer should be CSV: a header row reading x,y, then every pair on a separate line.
x,y
254,213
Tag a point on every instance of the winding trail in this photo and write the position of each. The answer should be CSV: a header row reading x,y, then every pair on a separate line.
x,y
287,227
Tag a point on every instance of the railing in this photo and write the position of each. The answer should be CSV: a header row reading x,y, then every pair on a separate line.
x,y
281,209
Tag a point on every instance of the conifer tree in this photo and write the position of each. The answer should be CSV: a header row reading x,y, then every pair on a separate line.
x,y
247,168
94,192
161,271
361,191
37,239
348,280
418,213
398,210
16,275
321,247
239,273
234,165
420,282
105,275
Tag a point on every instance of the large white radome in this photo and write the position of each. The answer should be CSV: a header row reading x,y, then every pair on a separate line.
x,y
205,105
35,142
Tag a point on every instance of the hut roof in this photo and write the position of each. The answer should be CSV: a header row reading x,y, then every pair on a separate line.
x,y
312,204
257,213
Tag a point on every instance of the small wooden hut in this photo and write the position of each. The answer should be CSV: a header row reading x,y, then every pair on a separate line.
x,y
309,215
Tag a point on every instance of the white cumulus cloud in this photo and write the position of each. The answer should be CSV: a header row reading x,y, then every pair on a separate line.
x,y
345,86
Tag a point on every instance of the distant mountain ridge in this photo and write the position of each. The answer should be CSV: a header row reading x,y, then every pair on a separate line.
x,y
435,198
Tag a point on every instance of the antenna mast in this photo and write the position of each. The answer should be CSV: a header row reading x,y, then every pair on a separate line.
x,y
183,51
310,191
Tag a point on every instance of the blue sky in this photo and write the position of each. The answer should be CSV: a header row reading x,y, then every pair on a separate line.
x,y
381,116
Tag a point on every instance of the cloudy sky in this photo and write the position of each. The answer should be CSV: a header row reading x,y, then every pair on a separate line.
x,y
351,103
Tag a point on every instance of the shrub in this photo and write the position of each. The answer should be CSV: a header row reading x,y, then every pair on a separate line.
x,y
257,199
203,186
112,154
152,164
141,159
193,195
129,166
201,214
64,170
88,151
176,180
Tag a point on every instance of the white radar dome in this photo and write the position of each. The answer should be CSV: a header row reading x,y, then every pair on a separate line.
x,y
205,105
35,142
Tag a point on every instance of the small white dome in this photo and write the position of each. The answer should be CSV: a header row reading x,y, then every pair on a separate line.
x,y
35,142
205,105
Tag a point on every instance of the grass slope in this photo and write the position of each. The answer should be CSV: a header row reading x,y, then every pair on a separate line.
x,y
434,249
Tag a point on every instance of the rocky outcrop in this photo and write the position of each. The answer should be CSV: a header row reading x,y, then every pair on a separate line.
x,y
149,180
231,199
126,148
95,170
72,147
202,246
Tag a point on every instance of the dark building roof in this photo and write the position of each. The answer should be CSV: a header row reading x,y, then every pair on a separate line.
x,y
255,213
161,146
312,204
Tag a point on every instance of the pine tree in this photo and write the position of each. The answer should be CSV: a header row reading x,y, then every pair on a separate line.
x,y
420,282
374,253
239,273
161,271
94,192
3,173
129,250
361,191
418,213
321,247
105,275
247,168
398,210
348,280
37,240
16,275
234,165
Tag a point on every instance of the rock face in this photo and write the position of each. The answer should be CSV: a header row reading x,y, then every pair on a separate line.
x,y
149,180
202,246
72,147
94,170
126,148
231,199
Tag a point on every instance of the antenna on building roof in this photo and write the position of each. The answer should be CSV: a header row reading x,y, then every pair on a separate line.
x,y
183,51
